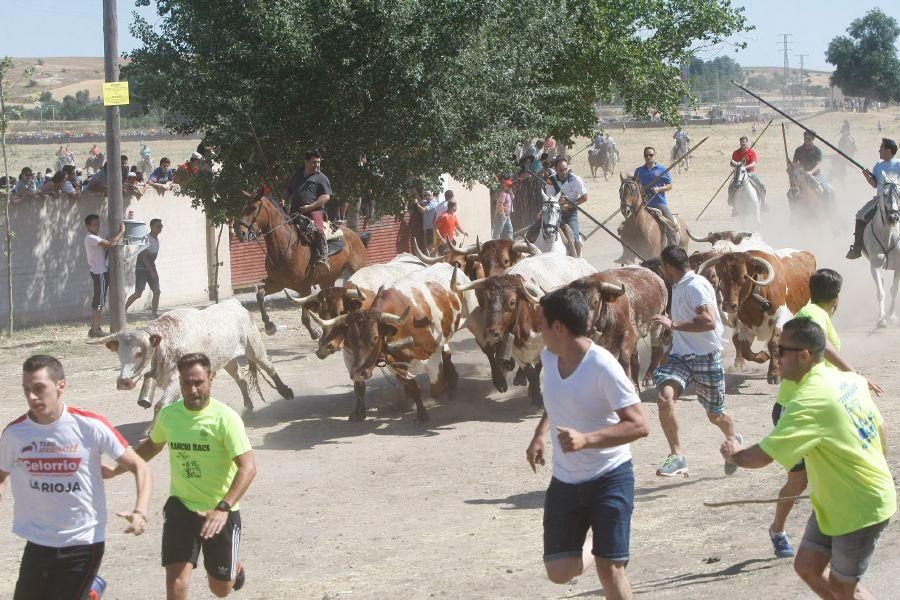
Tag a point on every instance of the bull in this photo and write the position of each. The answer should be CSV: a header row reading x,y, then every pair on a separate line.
x,y
759,292
407,328
508,304
224,332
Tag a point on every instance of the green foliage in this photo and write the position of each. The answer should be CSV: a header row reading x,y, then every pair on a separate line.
x,y
719,71
40,61
420,87
866,62
46,96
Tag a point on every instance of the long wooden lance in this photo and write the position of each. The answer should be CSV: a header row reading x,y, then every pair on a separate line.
x,y
729,177
660,176
787,157
802,126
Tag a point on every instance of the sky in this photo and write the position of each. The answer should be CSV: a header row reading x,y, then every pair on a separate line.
x,y
76,29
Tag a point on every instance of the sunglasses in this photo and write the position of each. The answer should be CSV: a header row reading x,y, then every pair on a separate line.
x,y
780,350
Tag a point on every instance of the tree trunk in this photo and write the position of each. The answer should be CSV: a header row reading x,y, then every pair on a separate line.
x,y
8,229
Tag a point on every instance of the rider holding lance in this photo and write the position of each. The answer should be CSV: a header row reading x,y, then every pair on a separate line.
x,y
809,156
889,164
310,190
574,192
748,156
652,171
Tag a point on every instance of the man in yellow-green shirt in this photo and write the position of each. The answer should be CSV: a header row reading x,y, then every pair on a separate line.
x,y
830,421
211,466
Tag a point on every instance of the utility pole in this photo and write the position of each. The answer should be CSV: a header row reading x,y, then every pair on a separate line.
x,y
802,85
785,46
113,170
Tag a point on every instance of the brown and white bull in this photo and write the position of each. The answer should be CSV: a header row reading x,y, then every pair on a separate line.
x,y
407,328
508,305
621,304
224,332
760,291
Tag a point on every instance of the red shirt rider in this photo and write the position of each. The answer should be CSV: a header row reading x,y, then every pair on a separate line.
x,y
748,156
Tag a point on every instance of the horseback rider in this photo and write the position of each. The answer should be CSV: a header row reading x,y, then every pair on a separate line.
x,y
748,156
889,163
600,140
682,139
309,190
574,192
655,197
809,156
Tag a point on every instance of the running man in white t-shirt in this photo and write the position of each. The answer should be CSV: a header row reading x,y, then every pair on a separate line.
x,y
591,405
52,456
95,247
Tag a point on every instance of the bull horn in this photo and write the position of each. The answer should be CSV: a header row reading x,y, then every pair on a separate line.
x,y
327,322
357,294
478,245
526,246
301,301
101,341
246,193
464,287
765,264
428,260
532,293
392,319
616,290
400,344
708,263
696,239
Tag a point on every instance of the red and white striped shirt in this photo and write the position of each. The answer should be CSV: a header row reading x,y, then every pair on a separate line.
x,y
56,478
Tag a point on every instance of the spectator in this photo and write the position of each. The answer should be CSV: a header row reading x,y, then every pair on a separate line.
x,y
416,209
25,185
448,224
430,205
145,270
71,187
95,248
54,185
188,169
124,168
550,147
503,228
97,182
162,176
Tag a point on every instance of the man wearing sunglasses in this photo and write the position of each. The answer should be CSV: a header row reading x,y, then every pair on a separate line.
x,y
648,173
831,421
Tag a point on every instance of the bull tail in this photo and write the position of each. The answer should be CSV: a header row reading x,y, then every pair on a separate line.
x,y
253,374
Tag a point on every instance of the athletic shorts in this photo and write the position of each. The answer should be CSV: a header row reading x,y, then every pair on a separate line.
x,y
57,573
777,409
705,370
850,553
181,541
603,505
142,278
101,288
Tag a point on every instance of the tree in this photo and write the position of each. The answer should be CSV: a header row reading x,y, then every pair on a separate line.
x,y
83,97
417,87
866,62
46,96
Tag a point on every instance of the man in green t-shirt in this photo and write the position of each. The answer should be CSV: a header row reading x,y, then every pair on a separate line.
x,y
211,465
830,421
825,289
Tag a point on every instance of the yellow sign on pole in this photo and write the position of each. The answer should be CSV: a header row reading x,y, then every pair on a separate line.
x,y
115,94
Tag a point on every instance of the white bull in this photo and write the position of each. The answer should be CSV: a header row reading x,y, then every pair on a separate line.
x,y
224,332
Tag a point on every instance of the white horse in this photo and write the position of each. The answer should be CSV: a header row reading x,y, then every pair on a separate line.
x,y
548,238
744,197
881,241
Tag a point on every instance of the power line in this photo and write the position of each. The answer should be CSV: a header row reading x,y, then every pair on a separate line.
x,y
785,46
802,86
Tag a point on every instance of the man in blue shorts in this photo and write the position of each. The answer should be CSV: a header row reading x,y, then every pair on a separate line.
x,y
595,413
696,356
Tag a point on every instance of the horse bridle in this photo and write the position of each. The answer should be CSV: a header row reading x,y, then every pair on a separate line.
x,y
629,183
249,226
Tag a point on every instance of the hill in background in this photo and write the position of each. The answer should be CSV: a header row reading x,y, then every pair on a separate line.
x,y
61,76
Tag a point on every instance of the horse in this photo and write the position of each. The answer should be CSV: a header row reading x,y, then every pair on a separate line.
x,y
602,158
548,234
641,230
881,244
808,199
145,165
744,197
679,151
95,161
848,145
287,260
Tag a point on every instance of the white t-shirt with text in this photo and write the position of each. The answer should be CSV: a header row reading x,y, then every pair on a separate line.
x,y
96,254
56,479
586,400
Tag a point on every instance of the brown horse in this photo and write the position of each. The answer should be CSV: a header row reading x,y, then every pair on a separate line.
x,y
641,230
287,260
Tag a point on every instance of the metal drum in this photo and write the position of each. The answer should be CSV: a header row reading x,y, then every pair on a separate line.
x,y
136,232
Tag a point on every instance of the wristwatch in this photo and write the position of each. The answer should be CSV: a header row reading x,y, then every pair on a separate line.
x,y
223,506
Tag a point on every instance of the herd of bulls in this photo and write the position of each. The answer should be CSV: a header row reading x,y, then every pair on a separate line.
x,y
402,316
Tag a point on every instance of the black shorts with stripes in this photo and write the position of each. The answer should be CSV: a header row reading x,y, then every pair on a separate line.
x,y
181,541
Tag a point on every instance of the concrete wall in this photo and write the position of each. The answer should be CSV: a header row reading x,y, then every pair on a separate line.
x,y
474,208
50,274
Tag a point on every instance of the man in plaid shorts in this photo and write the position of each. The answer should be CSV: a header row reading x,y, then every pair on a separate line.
x,y
696,357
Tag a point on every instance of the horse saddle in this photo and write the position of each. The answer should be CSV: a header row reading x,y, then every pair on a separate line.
x,y
335,245
664,223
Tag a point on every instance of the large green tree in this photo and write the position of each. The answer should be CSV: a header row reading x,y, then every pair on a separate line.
x,y
866,62
419,87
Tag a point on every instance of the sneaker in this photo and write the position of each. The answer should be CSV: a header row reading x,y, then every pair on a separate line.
x,y
731,468
674,465
240,578
781,545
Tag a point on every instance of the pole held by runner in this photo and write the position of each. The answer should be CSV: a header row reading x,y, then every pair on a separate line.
x,y
711,504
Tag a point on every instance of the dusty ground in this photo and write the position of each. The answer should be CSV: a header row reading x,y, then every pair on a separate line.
x,y
387,508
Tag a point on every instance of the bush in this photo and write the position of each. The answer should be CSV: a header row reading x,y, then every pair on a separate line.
x,y
40,61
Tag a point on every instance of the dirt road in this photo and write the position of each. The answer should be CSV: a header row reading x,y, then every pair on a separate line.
x,y
388,508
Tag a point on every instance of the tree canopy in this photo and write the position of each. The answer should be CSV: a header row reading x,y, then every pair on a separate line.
x,y
418,87
865,60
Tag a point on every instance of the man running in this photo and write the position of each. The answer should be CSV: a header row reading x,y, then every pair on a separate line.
x,y
145,269
211,466
696,356
595,413
889,164
52,456
574,193
656,181
830,421
749,157
310,190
